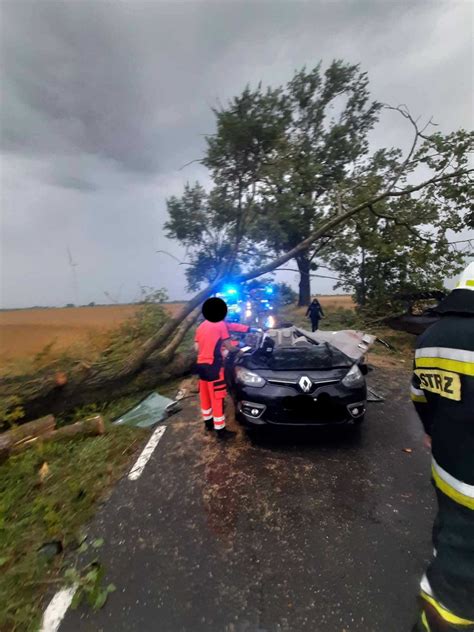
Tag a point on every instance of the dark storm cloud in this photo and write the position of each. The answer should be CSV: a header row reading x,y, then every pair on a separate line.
x,y
103,102
134,82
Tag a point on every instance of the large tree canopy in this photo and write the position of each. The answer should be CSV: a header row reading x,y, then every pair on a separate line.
x,y
286,161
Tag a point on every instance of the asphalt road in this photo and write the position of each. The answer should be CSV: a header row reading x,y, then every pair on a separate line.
x,y
320,532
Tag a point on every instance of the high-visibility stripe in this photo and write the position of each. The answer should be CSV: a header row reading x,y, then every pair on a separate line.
x,y
445,352
460,492
419,399
455,366
417,395
457,360
219,423
424,621
444,613
207,418
206,412
427,594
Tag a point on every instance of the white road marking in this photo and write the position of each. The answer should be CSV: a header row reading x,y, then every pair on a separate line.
x,y
142,460
61,601
57,608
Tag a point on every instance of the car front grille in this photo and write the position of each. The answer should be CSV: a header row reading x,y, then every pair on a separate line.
x,y
302,409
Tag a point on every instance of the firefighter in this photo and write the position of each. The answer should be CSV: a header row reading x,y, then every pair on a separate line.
x,y
443,393
315,313
212,336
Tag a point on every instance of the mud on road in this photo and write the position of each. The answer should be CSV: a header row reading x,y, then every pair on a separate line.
x,y
290,532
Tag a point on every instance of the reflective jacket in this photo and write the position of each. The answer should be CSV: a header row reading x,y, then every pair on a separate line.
x,y
442,390
443,394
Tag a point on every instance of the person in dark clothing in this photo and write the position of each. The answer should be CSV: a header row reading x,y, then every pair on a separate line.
x,y
315,313
442,390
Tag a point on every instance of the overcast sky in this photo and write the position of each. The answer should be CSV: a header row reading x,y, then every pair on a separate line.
x,y
103,102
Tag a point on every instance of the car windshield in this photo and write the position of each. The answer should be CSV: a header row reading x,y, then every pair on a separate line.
x,y
323,356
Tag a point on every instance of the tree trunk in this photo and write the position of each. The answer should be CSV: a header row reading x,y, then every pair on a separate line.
x,y
24,433
63,400
363,282
303,262
87,427
85,385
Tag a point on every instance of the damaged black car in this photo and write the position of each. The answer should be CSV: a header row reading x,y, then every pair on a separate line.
x,y
291,377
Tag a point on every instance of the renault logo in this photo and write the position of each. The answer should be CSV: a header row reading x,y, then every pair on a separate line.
x,y
305,384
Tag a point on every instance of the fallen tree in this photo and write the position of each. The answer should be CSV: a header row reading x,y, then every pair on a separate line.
x,y
44,430
233,210
24,433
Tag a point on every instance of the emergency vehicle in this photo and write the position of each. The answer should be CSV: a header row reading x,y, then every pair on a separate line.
x,y
253,306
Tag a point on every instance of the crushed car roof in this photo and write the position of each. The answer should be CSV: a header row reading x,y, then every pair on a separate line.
x,y
354,344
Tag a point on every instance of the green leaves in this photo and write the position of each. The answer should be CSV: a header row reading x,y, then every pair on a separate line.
x,y
392,250
90,586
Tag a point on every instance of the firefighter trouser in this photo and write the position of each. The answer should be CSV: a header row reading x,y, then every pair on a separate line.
x,y
447,589
212,396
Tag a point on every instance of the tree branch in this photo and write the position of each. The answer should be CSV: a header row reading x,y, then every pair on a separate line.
x,y
399,222
339,219
200,160
320,276
181,263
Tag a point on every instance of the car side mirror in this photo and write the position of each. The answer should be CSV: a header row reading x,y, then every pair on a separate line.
x,y
364,369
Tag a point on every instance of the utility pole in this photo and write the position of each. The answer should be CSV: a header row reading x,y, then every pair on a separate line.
x,y
73,265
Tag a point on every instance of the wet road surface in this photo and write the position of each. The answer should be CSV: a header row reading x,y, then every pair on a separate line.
x,y
294,532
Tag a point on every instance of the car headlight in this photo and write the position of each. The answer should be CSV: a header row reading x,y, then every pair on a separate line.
x,y
249,378
353,378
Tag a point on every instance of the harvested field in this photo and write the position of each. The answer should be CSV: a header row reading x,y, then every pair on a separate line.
x,y
28,331
339,301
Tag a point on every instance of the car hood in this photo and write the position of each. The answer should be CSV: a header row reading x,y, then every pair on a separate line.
x,y
320,376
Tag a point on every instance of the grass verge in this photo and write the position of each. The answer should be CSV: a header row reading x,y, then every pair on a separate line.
x,y
51,503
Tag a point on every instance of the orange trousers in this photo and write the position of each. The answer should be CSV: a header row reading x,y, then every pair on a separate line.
x,y
212,396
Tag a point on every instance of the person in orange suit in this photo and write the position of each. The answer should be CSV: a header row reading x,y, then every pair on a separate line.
x,y
212,337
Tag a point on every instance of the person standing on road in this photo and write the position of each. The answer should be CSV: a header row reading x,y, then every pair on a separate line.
x,y
315,313
443,393
212,336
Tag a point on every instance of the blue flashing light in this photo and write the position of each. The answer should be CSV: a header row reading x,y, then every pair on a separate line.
x,y
229,289
269,290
